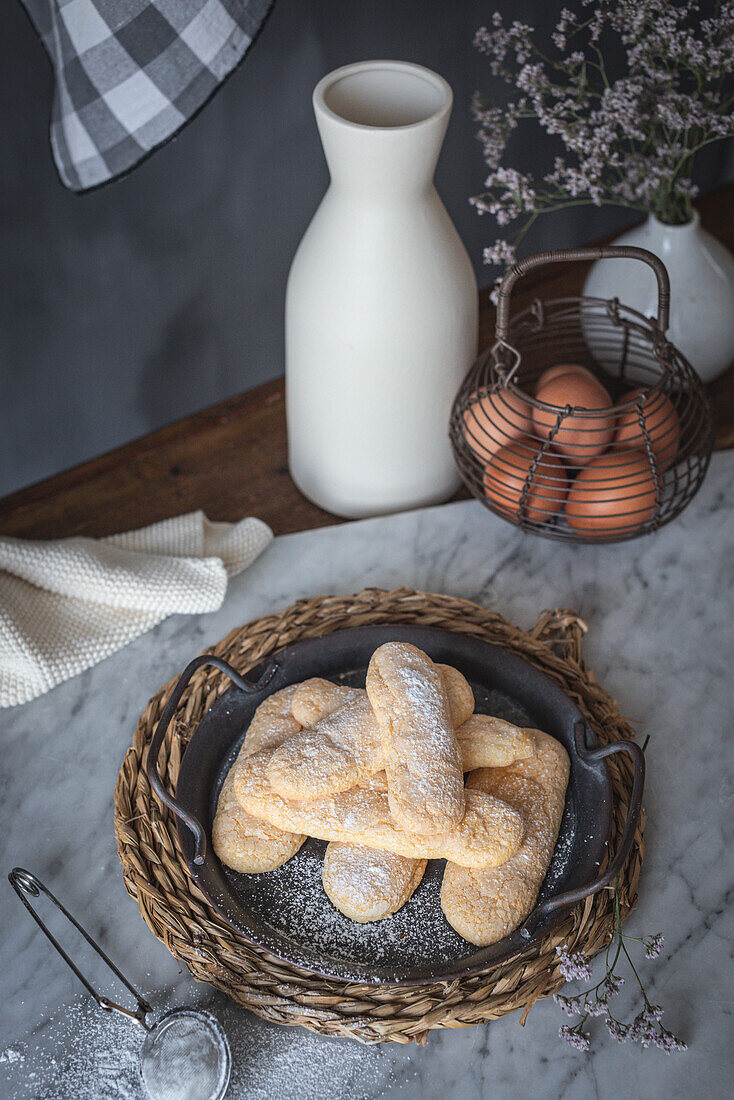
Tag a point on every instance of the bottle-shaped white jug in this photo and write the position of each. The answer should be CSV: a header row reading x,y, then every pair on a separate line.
x,y
381,305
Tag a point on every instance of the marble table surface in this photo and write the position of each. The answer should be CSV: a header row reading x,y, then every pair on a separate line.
x,y
660,639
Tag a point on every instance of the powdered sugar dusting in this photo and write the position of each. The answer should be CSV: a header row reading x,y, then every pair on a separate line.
x,y
420,692
292,901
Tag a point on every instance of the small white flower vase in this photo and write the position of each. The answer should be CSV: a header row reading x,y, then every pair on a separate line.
x,y
382,301
701,274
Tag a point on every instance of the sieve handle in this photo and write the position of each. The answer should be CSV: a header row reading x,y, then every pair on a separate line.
x,y
563,255
572,897
25,884
151,763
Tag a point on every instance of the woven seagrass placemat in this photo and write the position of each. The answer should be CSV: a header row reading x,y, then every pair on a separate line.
x,y
178,914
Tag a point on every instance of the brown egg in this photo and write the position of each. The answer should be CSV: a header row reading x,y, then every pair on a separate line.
x,y
579,438
613,495
495,419
661,423
507,472
559,371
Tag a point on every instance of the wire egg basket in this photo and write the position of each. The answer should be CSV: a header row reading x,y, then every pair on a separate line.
x,y
583,422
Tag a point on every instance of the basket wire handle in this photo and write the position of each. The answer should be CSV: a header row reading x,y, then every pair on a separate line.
x,y
25,882
564,255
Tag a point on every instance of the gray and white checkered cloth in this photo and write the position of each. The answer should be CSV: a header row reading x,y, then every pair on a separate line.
x,y
130,73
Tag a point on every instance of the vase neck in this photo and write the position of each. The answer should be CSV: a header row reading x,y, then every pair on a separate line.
x,y
382,124
662,229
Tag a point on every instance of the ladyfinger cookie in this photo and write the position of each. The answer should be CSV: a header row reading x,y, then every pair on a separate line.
x,y
240,840
343,749
488,742
367,885
422,759
484,906
489,832
315,698
459,694
245,843
273,721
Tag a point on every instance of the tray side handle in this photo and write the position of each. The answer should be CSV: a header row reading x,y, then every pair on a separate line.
x,y
572,897
151,763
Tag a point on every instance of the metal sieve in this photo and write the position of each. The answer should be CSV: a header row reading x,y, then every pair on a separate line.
x,y
185,1055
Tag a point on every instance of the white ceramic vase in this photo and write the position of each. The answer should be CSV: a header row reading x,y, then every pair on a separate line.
x,y
382,303
701,274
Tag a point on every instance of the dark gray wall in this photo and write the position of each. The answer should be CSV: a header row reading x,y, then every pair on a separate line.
x,y
162,293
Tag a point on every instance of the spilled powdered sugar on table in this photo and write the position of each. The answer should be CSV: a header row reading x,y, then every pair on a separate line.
x,y
81,1053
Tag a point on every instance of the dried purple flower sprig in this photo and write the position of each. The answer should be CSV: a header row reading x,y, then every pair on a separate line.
x,y
629,141
646,1028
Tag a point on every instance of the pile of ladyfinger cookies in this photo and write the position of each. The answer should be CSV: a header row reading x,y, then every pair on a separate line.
x,y
380,774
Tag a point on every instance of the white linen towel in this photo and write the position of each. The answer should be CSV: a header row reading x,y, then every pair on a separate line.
x,y
66,604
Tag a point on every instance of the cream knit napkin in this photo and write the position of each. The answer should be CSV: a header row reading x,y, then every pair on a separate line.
x,y
66,604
